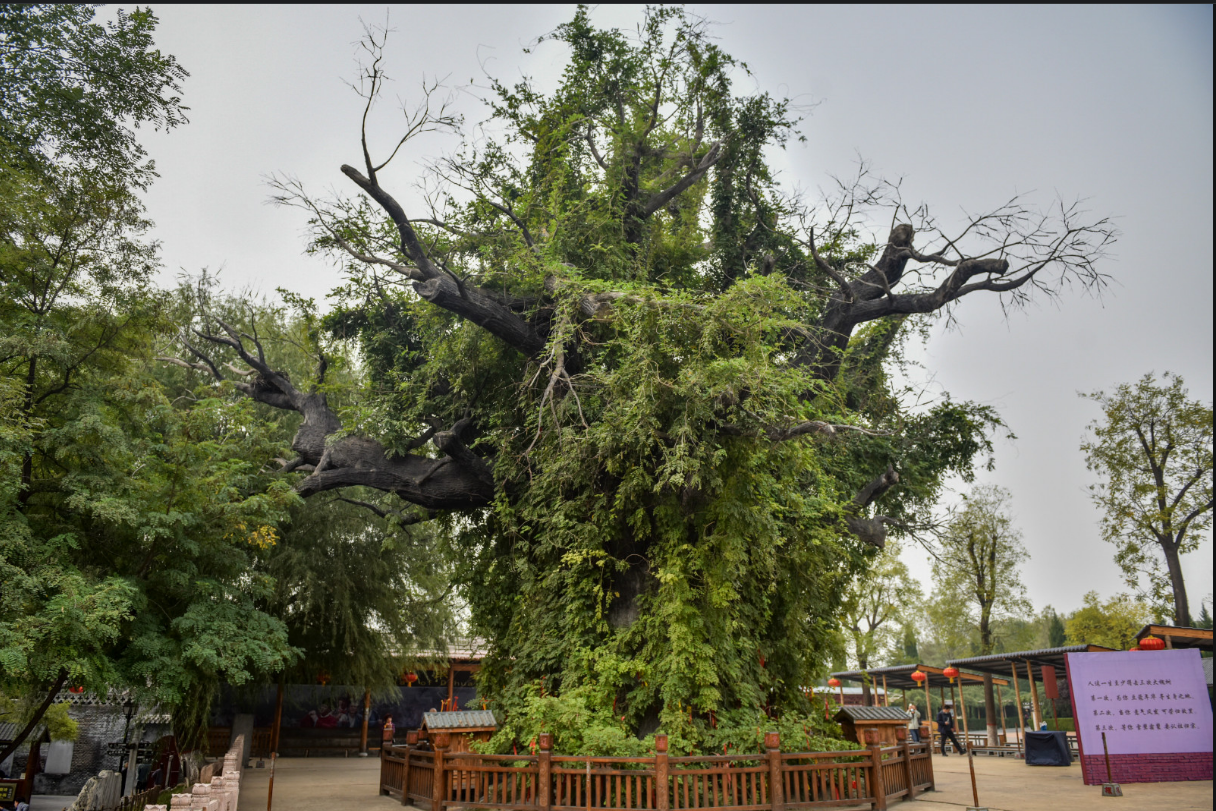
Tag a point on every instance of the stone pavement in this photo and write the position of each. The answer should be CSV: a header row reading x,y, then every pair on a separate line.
x,y
316,784
1008,784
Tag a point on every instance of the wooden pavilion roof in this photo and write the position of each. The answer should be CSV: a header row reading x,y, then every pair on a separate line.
x,y
1001,663
1179,636
900,676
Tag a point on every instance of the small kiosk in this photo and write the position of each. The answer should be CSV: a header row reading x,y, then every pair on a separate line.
x,y
463,727
873,725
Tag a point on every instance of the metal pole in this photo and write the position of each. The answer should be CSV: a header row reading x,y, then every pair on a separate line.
x,y
270,790
975,794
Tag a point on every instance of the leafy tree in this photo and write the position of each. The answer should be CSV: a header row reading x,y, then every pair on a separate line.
x,y
977,574
360,594
1113,624
875,605
72,91
1205,617
1055,630
648,390
1153,447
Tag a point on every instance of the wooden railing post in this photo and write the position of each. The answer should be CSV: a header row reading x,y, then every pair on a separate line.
x,y
772,746
411,740
661,793
877,786
907,750
440,793
544,772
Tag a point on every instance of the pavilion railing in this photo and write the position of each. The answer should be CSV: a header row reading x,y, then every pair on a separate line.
x,y
437,779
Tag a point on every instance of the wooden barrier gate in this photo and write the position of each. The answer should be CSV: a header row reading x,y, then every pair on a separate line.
x,y
769,781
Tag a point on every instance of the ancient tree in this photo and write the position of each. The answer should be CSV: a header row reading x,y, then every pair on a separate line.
x,y
646,389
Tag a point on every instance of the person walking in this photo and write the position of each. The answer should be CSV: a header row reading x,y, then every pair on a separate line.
x,y
945,725
913,723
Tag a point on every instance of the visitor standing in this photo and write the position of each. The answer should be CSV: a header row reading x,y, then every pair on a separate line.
x,y
913,723
945,725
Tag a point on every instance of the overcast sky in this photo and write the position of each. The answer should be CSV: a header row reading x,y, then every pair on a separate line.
x,y
969,106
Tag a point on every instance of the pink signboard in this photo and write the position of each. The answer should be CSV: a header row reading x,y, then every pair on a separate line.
x,y
1145,701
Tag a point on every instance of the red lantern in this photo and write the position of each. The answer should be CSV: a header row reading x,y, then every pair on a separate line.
x,y
833,682
1134,647
75,689
323,678
950,673
918,677
1152,643
411,677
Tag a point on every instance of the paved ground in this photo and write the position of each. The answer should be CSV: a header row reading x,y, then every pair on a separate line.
x,y
1008,784
51,802
316,784
1005,784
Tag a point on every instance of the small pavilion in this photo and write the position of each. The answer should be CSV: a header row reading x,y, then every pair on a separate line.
x,y
900,677
1049,661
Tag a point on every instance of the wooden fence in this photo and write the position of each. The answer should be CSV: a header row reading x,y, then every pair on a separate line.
x,y
770,781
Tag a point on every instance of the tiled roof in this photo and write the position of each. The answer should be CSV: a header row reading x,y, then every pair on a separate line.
x,y
873,713
460,719
10,731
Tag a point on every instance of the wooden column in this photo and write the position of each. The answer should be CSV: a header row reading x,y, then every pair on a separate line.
x,y
440,792
1017,691
1002,738
886,697
367,706
877,787
411,741
1034,698
772,747
661,793
451,685
962,707
544,772
929,712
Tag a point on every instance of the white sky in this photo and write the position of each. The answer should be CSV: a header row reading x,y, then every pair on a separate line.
x,y
969,105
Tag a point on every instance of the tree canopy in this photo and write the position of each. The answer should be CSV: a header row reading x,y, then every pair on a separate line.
x,y
648,391
1153,450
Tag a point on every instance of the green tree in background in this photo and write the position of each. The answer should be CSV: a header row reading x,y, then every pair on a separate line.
x,y
874,608
1153,448
977,574
1056,637
1113,623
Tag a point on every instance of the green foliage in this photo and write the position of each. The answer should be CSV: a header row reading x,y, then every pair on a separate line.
x,y
72,91
1113,624
653,553
977,575
1153,449
360,596
881,599
1055,631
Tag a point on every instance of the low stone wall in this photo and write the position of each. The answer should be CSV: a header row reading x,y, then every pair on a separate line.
x,y
221,793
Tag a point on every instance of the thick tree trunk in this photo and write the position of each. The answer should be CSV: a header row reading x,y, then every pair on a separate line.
x,y
1182,608
990,711
863,664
